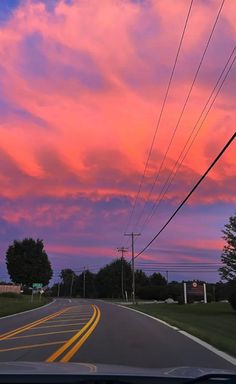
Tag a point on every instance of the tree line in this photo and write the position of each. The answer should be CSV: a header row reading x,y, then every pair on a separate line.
x,y
108,282
112,281
27,263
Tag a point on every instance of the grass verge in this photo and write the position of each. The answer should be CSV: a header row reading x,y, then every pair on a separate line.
x,y
213,322
10,305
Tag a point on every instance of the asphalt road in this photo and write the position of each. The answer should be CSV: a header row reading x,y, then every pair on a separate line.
x,y
97,332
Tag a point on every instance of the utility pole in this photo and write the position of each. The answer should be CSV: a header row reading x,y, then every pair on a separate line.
x,y
71,285
167,276
122,250
84,277
132,234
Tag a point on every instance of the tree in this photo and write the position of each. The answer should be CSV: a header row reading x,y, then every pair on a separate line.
x,y
157,279
141,279
228,256
28,263
86,284
69,285
108,279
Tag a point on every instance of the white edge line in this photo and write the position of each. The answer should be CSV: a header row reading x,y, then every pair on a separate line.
x,y
222,354
29,310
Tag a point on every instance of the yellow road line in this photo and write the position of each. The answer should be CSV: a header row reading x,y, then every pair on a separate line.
x,y
13,332
77,314
31,346
76,347
60,325
43,334
79,318
64,347
71,314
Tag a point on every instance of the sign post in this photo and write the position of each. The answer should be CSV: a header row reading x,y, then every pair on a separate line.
x,y
195,291
36,286
32,295
205,293
185,294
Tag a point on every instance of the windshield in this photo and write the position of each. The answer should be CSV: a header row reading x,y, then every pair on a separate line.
x,y
118,226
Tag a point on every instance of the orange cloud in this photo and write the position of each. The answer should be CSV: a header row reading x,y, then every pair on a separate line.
x,y
82,85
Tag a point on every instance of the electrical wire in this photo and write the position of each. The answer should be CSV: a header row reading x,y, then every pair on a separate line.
x,y
159,118
190,193
182,111
178,163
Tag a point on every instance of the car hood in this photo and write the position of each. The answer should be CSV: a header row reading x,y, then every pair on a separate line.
x,y
37,368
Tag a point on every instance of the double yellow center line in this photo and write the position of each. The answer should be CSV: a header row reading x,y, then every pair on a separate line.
x,y
68,350
26,327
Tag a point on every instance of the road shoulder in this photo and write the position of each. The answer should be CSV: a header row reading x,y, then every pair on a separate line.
x,y
28,310
204,344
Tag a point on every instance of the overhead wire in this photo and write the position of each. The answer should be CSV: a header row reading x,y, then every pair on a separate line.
x,y
159,118
190,193
182,110
178,163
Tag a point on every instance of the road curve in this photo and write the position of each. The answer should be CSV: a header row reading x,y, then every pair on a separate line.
x,y
95,332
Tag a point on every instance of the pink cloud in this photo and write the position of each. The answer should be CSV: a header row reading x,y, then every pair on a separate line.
x,y
79,106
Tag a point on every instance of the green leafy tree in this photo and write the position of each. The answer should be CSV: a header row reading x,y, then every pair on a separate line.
x,y
28,263
87,280
108,279
228,256
69,284
157,279
141,279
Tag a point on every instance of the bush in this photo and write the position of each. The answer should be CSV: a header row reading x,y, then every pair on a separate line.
x,y
175,290
27,291
11,295
152,292
232,299
209,297
180,300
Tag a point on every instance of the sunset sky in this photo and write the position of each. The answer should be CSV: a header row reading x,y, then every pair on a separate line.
x,y
82,84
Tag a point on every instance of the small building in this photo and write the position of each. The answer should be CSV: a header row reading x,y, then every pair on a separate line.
x,y
10,288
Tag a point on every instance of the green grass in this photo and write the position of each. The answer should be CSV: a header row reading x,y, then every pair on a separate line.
x,y
8,306
214,323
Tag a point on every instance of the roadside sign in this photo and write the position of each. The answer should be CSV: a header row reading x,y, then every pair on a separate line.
x,y
37,285
195,291
41,291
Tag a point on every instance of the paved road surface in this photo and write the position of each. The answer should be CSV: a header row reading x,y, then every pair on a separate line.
x,y
96,332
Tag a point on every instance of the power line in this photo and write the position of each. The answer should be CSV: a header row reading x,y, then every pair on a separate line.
x,y
178,163
183,109
190,193
182,271
181,264
160,116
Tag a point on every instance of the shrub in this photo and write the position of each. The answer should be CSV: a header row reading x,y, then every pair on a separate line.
x,y
175,290
180,300
209,297
27,291
232,299
11,295
152,292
